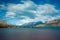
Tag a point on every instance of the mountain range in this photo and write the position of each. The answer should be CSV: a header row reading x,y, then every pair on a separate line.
x,y
51,23
39,24
31,24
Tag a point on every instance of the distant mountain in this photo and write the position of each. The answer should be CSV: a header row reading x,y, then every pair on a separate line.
x,y
51,23
31,24
39,24
55,23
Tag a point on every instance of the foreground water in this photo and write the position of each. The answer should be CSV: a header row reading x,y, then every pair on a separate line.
x,y
29,33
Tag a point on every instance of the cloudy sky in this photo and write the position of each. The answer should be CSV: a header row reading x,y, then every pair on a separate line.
x,y
19,12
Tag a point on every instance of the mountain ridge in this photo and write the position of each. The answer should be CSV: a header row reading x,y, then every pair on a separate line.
x,y
39,24
51,23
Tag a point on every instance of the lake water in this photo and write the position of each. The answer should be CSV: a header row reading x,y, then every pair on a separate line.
x,y
29,33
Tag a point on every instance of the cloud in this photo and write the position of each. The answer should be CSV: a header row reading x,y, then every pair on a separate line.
x,y
31,12
46,12
25,9
10,14
47,9
21,22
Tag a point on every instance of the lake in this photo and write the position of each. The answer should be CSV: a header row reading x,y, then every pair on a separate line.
x,y
29,33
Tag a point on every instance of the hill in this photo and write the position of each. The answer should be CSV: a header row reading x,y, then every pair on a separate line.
x,y
51,23
8,26
31,24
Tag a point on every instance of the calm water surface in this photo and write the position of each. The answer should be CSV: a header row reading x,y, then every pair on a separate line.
x,y
29,33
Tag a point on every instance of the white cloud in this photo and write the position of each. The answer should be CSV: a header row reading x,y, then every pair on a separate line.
x,y
27,5
28,8
47,9
21,22
46,12
10,15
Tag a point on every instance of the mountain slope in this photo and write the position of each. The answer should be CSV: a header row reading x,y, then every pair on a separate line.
x,y
31,24
52,23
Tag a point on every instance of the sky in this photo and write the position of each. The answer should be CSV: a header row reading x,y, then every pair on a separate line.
x,y
19,12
